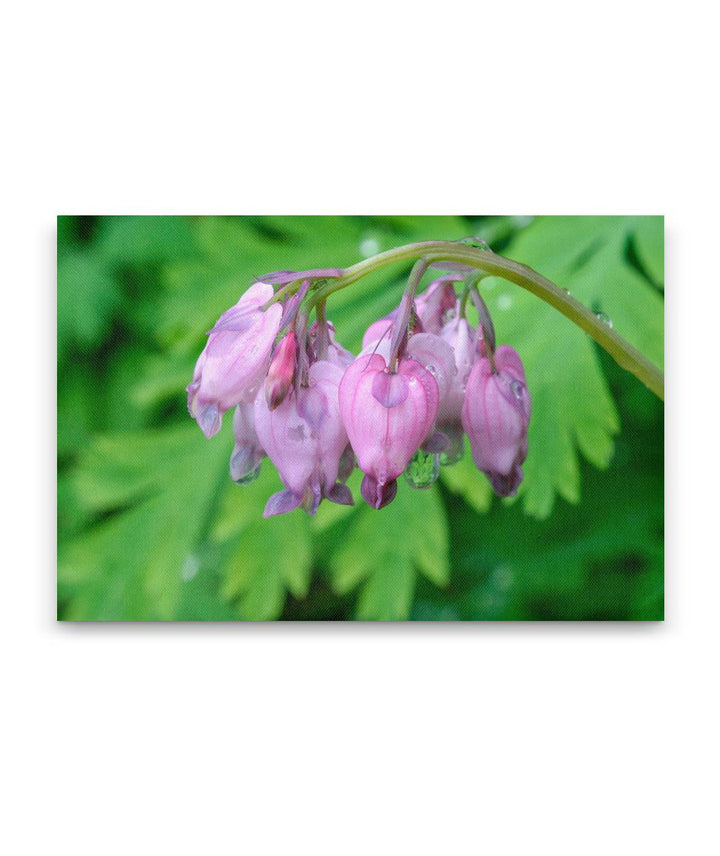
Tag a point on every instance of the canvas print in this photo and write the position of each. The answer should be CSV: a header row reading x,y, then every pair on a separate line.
x,y
360,418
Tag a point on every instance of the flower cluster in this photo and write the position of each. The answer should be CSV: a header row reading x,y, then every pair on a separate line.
x,y
424,378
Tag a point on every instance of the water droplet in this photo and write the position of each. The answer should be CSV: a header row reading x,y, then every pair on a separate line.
x,y
476,241
369,246
601,316
567,291
517,388
504,301
453,454
251,476
432,369
190,567
423,470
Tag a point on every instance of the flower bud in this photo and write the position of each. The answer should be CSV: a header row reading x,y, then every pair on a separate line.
x,y
235,359
281,372
387,416
495,416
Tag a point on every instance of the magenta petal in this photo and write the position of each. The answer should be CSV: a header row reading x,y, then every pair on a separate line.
x,y
340,494
390,389
312,406
239,319
506,485
283,277
281,503
209,420
495,416
377,331
378,495
385,436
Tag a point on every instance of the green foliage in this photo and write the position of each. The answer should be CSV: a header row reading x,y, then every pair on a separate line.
x,y
150,525
573,410
386,551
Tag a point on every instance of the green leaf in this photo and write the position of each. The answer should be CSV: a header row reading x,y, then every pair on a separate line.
x,y
143,240
573,410
266,556
649,241
87,297
602,559
384,550
464,479
159,489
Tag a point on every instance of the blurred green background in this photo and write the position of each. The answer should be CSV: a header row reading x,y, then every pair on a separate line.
x,y
150,526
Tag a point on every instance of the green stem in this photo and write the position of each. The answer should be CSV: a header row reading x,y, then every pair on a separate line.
x,y
405,311
491,264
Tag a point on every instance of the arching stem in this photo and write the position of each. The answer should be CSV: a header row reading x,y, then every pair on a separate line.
x,y
491,264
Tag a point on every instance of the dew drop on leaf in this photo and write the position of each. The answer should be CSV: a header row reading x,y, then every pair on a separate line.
x,y
423,470
601,316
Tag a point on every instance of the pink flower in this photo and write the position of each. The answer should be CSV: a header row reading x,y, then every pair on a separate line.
x,y
495,416
336,354
305,438
235,359
387,417
463,340
433,305
431,308
380,330
281,372
248,453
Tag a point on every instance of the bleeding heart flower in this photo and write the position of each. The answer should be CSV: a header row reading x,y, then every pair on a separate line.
x,y
387,416
235,359
465,344
495,416
305,438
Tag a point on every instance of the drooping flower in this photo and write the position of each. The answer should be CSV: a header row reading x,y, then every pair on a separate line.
x,y
387,416
431,307
466,346
305,438
235,359
248,452
495,416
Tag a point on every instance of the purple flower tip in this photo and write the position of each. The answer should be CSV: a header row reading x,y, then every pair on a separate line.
x,y
283,277
209,420
378,495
